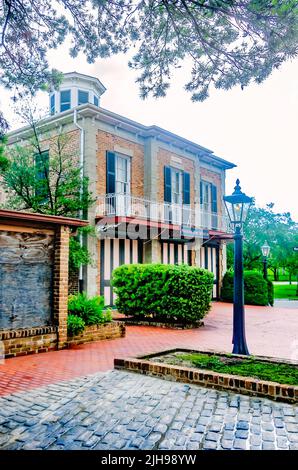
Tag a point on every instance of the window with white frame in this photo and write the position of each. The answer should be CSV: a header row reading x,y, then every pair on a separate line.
x,y
83,97
206,196
122,174
65,100
177,186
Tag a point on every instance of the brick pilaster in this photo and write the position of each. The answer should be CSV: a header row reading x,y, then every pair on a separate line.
x,y
60,291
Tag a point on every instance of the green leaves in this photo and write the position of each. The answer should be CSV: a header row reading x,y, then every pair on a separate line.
x,y
257,291
228,43
75,325
54,187
166,292
90,310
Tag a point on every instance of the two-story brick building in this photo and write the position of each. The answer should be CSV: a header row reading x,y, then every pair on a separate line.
x,y
158,195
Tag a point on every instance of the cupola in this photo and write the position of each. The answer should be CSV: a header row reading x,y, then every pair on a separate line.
x,y
76,89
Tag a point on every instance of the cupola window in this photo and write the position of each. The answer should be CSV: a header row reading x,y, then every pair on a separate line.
x,y
65,102
83,97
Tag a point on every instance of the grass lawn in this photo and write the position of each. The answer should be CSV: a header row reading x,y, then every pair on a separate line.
x,y
285,292
281,373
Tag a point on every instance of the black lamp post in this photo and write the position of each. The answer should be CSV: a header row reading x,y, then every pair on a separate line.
x,y
265,252
237,206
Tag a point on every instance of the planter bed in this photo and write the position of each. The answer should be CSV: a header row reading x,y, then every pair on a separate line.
x,y
176,325
175,365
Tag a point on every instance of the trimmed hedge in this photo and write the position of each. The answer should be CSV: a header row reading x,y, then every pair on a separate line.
x,y
257,291
166,292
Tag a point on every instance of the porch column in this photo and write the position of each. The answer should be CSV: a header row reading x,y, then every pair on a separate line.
x,y
152,251
222,263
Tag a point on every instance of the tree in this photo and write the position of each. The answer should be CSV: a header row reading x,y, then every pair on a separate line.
x,y
3,160
47,182
281,233
228,42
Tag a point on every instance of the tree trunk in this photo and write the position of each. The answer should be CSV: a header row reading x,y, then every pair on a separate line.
x,y
290,278
275,274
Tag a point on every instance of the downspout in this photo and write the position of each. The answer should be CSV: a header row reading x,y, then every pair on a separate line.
x,y
82,136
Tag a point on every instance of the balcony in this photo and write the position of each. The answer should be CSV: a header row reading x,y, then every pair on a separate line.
x,y
127,206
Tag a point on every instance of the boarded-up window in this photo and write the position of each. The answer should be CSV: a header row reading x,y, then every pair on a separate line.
x,y
26,273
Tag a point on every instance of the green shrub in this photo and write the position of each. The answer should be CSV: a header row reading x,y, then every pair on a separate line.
x,y
75,325
255,288
166,292
89,309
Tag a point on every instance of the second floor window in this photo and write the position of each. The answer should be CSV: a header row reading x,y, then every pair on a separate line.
x,y
208,196
118,173
122,175
176,186
176,195
83,97
65,102
96,102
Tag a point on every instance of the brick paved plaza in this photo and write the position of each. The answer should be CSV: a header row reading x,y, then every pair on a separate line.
x,y
270,332
121,410
72,399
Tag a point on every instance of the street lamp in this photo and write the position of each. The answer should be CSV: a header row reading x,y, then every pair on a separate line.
x,y
237,206
265,252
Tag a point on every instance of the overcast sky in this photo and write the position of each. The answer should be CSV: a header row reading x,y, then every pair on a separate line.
x,y
256,128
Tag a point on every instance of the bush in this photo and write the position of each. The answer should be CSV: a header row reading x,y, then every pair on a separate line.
x,y
75,325
89,309
256,288
166,292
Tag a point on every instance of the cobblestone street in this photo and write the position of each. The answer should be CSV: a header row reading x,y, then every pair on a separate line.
x,y
121,410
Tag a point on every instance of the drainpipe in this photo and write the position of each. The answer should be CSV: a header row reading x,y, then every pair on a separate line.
x,y
82,132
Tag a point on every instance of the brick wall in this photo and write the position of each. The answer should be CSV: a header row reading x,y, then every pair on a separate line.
x,y
60,290
28,341
73,282
107,141
167,158
111,330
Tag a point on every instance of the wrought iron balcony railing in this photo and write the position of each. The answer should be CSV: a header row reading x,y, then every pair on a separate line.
x,y
125,205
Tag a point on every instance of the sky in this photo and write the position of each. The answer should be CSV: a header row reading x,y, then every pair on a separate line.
x,y
255,128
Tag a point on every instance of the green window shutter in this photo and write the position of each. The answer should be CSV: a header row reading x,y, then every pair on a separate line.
x,y
167,184
201,193
111,173
213,198
186,188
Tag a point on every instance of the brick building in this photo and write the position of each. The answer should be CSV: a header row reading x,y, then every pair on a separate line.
x,y
159,197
